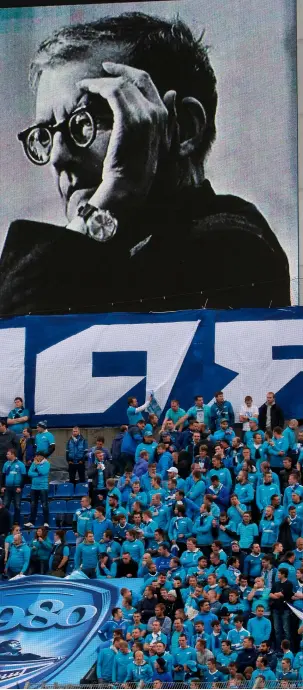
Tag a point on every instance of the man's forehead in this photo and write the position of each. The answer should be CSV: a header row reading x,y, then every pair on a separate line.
x,y
57,92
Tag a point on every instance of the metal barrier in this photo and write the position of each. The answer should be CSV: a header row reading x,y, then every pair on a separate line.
x,y
191,683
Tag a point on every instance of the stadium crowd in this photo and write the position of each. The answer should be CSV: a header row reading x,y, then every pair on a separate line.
x,y
209,518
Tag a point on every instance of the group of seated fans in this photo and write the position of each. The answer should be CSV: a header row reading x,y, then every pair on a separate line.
x,y
210,519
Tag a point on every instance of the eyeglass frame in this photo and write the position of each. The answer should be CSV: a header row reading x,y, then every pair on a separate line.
x,y
63,127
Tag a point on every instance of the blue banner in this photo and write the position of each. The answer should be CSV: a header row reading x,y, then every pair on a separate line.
x,y
82,368
51,629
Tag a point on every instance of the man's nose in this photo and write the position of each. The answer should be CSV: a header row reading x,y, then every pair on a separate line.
x,y
60,153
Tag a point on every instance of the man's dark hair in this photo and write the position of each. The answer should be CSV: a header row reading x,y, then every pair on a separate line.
x,y
283,571
167,50
18,398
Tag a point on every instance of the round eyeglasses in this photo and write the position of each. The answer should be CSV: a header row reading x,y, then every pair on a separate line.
x,y
37,141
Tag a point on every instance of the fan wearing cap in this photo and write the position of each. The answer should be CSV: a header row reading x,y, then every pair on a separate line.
x,y
172,473
253,429
224,433
44,440
149,444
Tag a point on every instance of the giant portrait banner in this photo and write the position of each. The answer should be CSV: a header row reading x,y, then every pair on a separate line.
x,y
148,156
82,368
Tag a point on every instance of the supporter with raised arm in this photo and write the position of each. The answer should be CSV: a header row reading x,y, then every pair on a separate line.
x,y
134,412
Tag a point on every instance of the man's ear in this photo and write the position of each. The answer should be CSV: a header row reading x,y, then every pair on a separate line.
x,y
192,122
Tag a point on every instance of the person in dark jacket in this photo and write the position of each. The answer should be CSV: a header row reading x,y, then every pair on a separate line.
x,y
26,450
59,556
8,439
126,566
147,605
159,197
5,526
285,473
270,414
76,453
116,448
247,656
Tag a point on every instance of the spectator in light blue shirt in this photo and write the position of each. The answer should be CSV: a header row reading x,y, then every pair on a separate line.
x,y
175,414
199,412
259,627
248,532
237,634
44,440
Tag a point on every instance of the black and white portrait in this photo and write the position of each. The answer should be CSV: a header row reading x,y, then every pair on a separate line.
x,y
148,156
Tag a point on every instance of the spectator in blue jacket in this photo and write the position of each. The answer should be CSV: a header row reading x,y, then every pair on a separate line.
x,y
105,661
116,448
221,409
133,545
199,412
253,562
248,532
83,518
269,529
295,523
203,529
253,429
184,659
18,417
294,488
13,474
180,527
223,433
222,472
76,454
38,472
139,670
131,439
243,489
219,493
164,460
41,548
87,554
259,627
265,491
149,444
121,661
290,433
277,448
18,559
